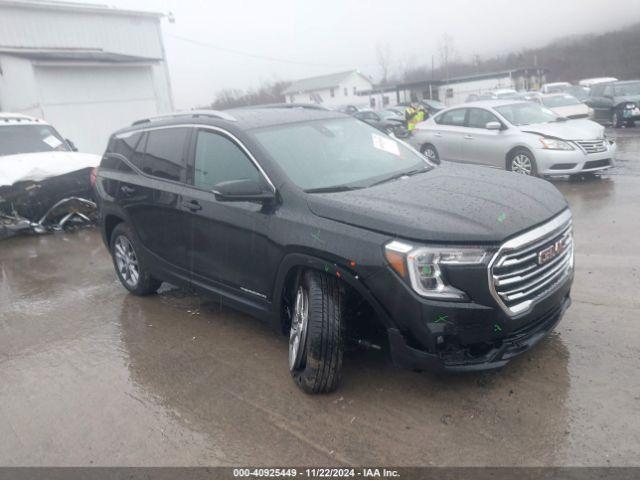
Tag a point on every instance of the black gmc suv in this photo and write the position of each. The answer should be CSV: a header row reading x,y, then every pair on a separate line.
x,y
338,235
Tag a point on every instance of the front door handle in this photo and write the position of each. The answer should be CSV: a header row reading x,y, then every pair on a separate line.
x,y
193,205
437,134
468,137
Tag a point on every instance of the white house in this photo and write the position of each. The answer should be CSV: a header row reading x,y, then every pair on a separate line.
x,y
337,89
86,69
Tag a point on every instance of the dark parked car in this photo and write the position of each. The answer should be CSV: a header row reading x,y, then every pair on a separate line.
x,y
338,235
387,125
617,103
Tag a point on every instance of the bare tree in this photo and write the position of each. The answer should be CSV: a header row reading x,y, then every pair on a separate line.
x,y
447,51
383,54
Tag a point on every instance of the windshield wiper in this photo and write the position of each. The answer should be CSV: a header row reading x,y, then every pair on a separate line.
x,y
334,189
400,175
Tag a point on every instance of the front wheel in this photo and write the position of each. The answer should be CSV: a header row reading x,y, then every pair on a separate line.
x,y
131,272
316,341
430,152
521,161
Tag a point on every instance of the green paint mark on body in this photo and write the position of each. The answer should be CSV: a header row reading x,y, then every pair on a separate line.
x,y
497,328
441,318
502,217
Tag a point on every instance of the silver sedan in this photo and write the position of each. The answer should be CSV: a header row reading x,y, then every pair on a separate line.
x,y
514,135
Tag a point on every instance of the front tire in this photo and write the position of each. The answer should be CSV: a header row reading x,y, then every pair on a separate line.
x,y
130,271
429,151
316,342
522,161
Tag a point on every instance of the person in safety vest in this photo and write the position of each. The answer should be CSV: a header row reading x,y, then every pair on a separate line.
x,y
412,115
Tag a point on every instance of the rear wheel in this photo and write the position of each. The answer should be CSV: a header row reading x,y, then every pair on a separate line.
x,y
316,336
430,152
521,161
130,270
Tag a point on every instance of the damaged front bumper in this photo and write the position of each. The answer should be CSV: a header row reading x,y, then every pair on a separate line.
x,y
55,203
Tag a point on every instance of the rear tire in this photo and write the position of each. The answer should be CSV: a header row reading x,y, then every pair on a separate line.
x,y
130,270
316,343
522,161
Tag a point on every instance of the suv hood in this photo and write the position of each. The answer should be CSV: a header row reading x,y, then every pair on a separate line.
x,y
581,129
39,166
449,204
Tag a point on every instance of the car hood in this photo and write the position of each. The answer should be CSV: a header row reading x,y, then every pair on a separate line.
x,y
569,110
581,129
39,166
449,204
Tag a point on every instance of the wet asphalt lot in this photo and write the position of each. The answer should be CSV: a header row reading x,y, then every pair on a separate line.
x,y
90,375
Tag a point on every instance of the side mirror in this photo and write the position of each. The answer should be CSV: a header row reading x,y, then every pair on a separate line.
x,y
493,126
245,190
72,145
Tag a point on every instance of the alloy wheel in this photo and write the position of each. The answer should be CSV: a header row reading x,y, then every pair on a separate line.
x,y
430,153
298,333
127,261
522,164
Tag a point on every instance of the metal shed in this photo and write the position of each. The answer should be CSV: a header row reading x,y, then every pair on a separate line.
x,y
86,69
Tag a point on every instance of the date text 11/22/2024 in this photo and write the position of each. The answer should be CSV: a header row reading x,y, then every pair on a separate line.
x,y
316,472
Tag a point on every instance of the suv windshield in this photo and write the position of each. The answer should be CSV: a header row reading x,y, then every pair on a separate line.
x,y
526,113
338,154
15,139
626,89
560,101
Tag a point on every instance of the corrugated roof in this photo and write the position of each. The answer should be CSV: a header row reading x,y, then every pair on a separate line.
x,y
319,83
76,7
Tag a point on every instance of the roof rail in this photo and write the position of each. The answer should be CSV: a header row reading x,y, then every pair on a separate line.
x,y
308,106
189,113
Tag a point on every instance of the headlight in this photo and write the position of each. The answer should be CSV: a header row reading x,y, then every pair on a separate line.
x,y
554,144
421,267
630,106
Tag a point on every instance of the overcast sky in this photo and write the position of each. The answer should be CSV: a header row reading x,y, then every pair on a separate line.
x,y
325,36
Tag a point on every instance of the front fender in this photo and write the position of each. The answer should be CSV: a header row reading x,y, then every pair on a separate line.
x,y
294,261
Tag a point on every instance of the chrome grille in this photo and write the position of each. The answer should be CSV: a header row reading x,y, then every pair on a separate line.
x,y
592,146
529,267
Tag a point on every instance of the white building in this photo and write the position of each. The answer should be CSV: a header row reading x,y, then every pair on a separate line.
x,y
335,90
86,69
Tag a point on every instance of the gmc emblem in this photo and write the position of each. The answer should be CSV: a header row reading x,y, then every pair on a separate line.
x,y
551,252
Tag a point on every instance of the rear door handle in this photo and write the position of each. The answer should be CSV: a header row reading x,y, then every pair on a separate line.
x,y
437,134
127,190
468,137
193,205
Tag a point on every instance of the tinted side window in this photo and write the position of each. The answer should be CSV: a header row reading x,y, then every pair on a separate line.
x,y
131,147
164,156
478,118
218,159
453,117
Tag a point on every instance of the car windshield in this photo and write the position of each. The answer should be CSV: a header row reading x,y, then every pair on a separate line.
x,y
15,139
580,93
526,113
338,154
560,101
627,89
